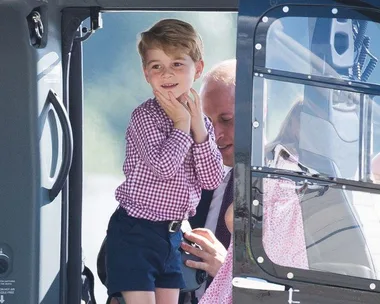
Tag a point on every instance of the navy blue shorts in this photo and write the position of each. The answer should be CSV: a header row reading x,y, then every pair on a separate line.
x,y
142,255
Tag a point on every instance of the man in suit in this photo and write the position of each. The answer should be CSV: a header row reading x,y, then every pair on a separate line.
x,y
209,230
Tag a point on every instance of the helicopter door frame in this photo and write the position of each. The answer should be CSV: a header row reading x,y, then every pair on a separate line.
x,y
73,14
255,276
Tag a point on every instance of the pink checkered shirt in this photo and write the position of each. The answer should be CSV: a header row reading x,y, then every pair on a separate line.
x,y
164,169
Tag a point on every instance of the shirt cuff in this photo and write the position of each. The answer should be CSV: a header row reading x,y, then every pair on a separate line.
x,y
205,147
182,139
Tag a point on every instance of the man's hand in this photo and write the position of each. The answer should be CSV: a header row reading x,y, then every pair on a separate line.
x,y
212,253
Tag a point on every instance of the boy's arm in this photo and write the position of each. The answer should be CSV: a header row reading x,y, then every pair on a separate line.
x,y
208,160
161,153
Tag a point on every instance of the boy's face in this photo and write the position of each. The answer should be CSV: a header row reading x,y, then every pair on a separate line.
x,y
167,73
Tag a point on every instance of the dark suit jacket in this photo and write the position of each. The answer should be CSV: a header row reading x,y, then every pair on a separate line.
x,y
199,219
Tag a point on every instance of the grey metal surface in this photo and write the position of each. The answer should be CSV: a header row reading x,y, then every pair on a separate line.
x,y
215,5
30,153
20,197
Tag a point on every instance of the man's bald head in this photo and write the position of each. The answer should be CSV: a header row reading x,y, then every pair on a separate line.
x,y
223,73
218,100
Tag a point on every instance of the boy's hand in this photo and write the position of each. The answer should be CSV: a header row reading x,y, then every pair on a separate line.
x,y
197,122
175,110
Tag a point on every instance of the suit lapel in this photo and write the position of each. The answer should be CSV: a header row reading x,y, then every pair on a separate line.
x,y
199,219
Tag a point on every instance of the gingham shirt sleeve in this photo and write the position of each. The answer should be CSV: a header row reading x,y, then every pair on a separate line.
x,y
208,160
163,154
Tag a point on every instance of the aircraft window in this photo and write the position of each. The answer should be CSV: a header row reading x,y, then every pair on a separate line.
x,y
316,113
320,227
340,48
114,85
332,132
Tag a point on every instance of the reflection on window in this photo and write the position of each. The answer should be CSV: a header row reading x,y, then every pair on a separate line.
x,y
320,227
331,132
340,48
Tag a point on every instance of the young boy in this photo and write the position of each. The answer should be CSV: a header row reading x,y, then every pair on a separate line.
x,y
170,156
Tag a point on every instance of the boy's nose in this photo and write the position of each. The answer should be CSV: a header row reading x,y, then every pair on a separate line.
x,y
167,72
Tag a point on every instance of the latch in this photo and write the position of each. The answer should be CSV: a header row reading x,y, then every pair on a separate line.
x,y
291,301
96,22
36,29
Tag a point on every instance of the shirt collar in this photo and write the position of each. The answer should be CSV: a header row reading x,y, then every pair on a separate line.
x,y
227,173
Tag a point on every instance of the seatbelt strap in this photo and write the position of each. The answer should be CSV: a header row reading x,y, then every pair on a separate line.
x,y
194,299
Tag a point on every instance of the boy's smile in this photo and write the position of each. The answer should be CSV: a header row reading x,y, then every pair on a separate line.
x,y
169,85
171,73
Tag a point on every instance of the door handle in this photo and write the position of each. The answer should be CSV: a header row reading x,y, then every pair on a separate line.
x,y
67,153
260,284
256,283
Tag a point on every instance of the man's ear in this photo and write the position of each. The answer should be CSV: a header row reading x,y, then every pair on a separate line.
x,y
199,66
229,218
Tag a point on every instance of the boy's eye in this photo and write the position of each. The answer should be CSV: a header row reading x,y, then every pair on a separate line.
x,y
156,66
177,64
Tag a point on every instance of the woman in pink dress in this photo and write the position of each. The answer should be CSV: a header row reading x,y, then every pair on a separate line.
x,y
220,290
283,235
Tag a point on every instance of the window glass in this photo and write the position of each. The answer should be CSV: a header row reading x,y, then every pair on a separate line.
x,y
330,47
332,132
323,128
321,227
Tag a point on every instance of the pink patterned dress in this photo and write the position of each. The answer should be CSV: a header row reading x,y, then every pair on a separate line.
x,y
220,290
283,236
283,231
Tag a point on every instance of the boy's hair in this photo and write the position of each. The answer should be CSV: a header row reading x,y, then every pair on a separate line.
x,y
172,36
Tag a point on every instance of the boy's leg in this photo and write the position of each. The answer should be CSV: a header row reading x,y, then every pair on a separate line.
x,y
167,296
118,300
130,261
169,282
139,297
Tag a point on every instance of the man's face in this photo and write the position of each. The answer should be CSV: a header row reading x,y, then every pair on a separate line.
x,y
218,101
174,74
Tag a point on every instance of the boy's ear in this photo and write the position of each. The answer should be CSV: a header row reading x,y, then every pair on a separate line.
x,y
146,74
199,66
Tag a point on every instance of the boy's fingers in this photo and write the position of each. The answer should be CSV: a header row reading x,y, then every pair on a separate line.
x,y
160,98
195,95
159,95
172,97
189,102
188,99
